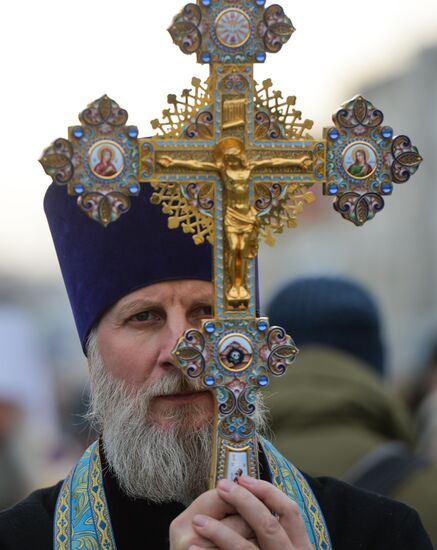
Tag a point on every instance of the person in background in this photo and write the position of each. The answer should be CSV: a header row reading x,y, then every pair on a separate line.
x,y
28,420
335,416
422,399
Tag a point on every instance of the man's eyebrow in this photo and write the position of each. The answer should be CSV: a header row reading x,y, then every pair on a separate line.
x,y
202,300
203,297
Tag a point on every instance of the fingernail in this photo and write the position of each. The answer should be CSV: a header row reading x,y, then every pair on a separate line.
x,y
226,485
200,521
247,480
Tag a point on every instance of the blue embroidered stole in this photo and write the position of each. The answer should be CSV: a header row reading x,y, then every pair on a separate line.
x,y
82,514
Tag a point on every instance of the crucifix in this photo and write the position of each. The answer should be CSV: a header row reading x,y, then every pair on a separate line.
x,y
232,162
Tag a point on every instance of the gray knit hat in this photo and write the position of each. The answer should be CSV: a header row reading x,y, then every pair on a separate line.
x,y
331,311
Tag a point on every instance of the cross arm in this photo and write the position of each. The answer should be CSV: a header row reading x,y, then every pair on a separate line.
x,y
169,162
303,161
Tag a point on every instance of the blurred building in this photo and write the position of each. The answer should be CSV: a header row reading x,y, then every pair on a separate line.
x,y
395,254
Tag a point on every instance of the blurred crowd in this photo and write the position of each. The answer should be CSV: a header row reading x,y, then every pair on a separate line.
x,y
337,414
42,397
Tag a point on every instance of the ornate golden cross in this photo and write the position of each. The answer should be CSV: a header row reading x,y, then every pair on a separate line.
x,y
232,162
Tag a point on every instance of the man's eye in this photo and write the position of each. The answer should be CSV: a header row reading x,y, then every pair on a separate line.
x,y
203,312
144,316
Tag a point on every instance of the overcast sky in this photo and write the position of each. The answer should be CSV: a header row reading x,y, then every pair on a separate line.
x,y
58,56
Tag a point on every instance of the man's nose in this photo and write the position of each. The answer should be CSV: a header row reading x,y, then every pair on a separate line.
x,y
174,329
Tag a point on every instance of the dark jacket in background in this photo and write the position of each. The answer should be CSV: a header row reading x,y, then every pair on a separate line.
x,y
330,411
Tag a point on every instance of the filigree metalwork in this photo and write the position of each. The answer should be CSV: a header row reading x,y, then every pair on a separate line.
x,y
189,206
236,428
234,83
104,207
278,206
202,127
281,351
190,352
276,28
267,127
227,400
358,115
231,32
147,160
99,162
185,29
359,208
260,351
59,161
276,118
364,160
247,400
405,159
183,112
104,114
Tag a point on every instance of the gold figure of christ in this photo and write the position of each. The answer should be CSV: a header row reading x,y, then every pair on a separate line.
x,y
241,224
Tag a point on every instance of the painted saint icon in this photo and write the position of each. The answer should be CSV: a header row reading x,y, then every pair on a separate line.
x,y
359,160
105,167
106,159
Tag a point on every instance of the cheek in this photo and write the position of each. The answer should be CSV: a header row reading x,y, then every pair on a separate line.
x,y
127,357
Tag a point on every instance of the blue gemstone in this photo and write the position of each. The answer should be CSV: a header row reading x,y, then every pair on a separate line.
x,y
210,380
263,326
132,132
263,381
387,132
206,2
79,189
387,188
206,57
333,189
77,132
260,57
210,328
134,188
260,2
333,134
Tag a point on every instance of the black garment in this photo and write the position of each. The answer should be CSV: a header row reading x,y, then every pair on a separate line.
x,y
357,520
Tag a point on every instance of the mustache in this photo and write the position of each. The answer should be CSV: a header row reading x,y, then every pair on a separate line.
x,y
173,382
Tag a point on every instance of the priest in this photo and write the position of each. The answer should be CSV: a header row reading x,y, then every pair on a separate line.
x,y
134,288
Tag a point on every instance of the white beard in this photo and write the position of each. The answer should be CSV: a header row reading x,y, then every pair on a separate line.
x,y
170,464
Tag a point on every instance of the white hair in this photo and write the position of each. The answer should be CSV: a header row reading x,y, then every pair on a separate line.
x,y
156,463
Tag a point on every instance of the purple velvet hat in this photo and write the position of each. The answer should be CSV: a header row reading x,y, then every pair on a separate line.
x,y
101,265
